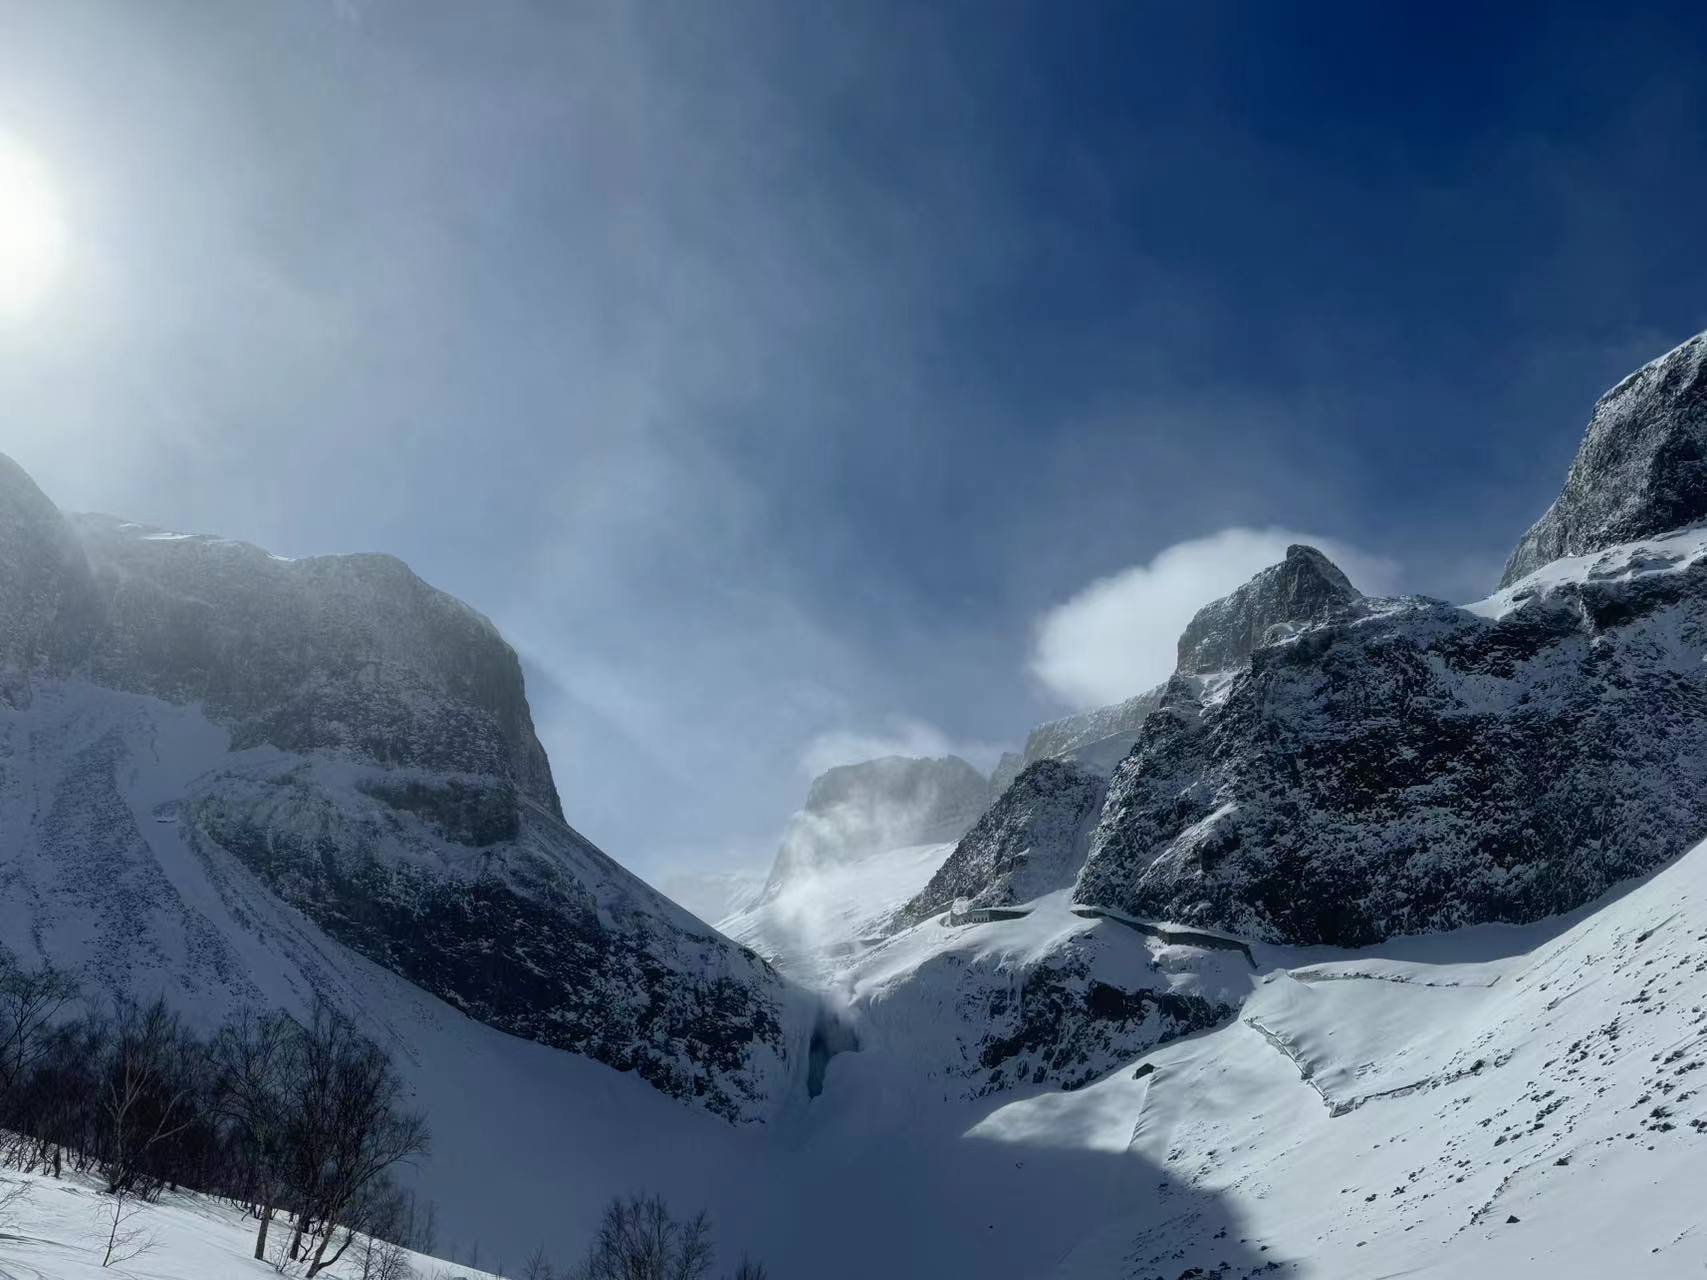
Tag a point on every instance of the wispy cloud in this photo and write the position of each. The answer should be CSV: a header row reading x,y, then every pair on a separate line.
x,y
1118,635
897,736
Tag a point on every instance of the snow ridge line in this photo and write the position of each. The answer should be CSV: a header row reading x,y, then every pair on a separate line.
x,y
1305,1071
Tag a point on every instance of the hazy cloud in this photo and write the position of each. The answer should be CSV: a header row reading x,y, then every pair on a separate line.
x,y
762,369
1117,636
899,736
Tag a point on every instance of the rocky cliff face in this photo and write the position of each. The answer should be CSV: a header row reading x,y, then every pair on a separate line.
x,y
341,653
1097,739
1641,469
1403,766
1031,841
368,758
1303,589
47,596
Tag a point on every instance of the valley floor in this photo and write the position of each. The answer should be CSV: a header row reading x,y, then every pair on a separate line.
x,y
1496,1102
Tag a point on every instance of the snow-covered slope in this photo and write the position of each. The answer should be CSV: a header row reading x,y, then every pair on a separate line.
x,y
808,923
867,839
1500,1101
1564,1037
59,1229
1098,739
193,732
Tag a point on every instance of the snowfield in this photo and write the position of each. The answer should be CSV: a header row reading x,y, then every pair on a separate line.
x,y
1369,1113
1376,1113
60,1232
1496,1102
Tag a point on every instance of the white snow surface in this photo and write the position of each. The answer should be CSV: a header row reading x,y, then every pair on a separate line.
x,y
811,924
1627,561
60,1230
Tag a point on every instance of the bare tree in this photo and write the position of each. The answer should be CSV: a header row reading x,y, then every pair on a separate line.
x,y
383,1260
127,1237
353,1129
420,1226
147,1095
253,1058
31,1001
638,1239
749,1270
537,1268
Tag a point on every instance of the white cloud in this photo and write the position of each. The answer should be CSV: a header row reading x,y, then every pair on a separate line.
x,y
900,736
1118,636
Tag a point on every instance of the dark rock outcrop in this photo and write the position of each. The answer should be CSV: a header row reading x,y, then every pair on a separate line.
x,y
542,937
1641,469
1031,841
1405,766
1302,589
1064,1027
1423,767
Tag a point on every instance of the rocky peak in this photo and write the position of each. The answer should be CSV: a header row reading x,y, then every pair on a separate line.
x,y
352,653
1305,587
1030,842
1641,469
46,593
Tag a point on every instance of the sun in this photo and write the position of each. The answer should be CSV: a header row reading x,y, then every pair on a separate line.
x,y
32,229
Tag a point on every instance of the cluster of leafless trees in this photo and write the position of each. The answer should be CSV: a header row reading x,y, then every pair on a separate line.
x,y
302,1122
640,1239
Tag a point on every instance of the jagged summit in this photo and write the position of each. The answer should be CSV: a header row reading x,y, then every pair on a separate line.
x,y
1305,587
1641,469
1031,841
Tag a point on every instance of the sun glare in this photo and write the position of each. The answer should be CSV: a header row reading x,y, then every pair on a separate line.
x,y
32,230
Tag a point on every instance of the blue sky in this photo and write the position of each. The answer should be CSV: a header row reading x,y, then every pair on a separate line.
x,y
770,372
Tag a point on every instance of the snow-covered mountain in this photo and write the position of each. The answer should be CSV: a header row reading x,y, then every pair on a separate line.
x,y
1030,842
855,810
195,731
1304,588
1407,766
1140,1046
1641,470
1327,767
866,840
